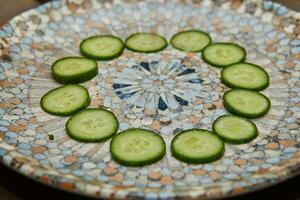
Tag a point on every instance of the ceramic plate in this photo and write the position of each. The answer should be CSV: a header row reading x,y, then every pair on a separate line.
x,y
175,92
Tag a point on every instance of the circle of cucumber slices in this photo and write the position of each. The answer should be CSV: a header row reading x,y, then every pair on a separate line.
x,y
65,100
102,47
234,129
223,54
146,42
190,40
92,125
246,103
245,76
197,146
137,147
74,70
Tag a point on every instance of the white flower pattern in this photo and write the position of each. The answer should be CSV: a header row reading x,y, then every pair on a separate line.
x,y
158,85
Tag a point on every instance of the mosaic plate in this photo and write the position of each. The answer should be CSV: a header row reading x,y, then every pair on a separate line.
x,y
165,92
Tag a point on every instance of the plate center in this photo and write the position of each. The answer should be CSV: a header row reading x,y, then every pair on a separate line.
x,y
164,88
155,86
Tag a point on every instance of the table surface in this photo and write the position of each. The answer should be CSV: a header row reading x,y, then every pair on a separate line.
x,y
14,186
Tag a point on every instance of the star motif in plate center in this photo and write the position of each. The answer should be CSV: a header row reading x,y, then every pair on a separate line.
x,y
158,85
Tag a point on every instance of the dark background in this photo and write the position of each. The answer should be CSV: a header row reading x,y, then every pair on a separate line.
x,y
14,186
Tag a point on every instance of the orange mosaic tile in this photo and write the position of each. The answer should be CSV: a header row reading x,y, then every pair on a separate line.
x,y
287,143
166,180
154,175
272,145
199,172
117,178
70,159
39,149
16,128
110,171
240,161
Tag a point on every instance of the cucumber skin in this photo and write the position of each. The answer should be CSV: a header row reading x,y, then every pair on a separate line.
x,y
86,54
75,78
91,140
229,140
193,30
221,66
183,158
66,113
141,163
154,51
234,86
249,116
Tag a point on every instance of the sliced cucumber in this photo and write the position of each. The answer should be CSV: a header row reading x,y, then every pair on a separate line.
x,y
146,42
74,70
65,100
92,125
245,76
190,41
102,47
197,146
223,54
137,147
234,129
246,103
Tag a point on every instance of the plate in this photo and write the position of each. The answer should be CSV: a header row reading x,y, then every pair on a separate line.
x,y
178,91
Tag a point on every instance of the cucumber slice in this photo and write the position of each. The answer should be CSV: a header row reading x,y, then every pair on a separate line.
x,y
146,42
197,146
234,129
245,76
92,125
74,70
246,103
190,41
223,54
65,100
137,147
102,47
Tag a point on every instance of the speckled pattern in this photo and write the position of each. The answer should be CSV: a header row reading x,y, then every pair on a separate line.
x,y
166,92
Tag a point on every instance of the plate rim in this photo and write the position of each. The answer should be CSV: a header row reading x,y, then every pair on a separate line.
x,y
287,171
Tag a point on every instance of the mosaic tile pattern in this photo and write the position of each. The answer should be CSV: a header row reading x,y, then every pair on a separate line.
x,y
168,85
163,91
35,143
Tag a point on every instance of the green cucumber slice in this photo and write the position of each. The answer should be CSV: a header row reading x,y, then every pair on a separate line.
x,y
246,103
197,146
223,54
137,147
74,70
146,42
234,129
65,100
245,76
92,125
102,47
190,41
